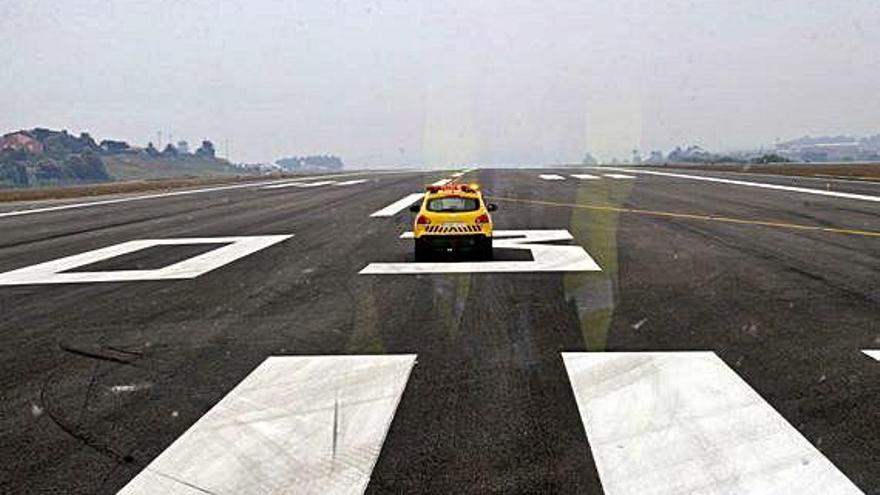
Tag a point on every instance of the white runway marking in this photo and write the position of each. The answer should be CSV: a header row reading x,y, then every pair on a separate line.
x,y
50,272
764,185
618,176
398,206
441,182
301,184
872,353
297,424
546,257
673,423
317,184
551,177
351,182
184,192
584,176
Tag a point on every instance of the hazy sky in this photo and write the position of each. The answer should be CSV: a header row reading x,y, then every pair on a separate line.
x,y
440,82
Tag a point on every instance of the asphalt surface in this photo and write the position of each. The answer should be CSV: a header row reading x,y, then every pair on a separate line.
x,y
100,378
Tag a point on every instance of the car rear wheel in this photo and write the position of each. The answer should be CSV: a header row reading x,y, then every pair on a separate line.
x,y
484,249
422,250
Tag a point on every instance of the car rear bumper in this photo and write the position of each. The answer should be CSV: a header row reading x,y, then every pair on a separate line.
x,y
456,242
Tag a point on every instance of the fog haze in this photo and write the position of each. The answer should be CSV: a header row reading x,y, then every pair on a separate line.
x,y
408,83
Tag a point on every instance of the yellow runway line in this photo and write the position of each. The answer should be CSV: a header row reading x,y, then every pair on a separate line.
x,y
690,216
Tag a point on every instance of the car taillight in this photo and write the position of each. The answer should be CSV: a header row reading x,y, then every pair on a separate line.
x,y
484,218
422,220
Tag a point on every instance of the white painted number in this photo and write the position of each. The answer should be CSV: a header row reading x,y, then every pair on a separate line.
x,y
546,257
52,272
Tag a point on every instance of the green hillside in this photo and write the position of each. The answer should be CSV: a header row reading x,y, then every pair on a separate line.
x,y
44,157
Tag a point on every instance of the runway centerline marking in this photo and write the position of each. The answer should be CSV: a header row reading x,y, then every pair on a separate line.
x,y
585,176
690,216
669,423
398,206
441,182
52,272
618,176
303,424
872,353
763,185
545,257
551,177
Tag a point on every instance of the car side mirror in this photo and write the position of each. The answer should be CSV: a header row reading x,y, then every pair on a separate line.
x,y
415,208
491,207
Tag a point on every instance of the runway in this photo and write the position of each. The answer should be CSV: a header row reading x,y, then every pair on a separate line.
x,y
639,331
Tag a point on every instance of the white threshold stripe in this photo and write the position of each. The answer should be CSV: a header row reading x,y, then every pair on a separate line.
x,y
764,185
398,206
618,176
872,353
551,177
674,423
185,192
584,176
296,424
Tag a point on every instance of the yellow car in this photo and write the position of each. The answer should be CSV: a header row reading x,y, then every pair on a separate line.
x,y
453,218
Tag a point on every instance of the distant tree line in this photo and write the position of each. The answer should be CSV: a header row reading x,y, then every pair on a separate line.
x,y
45,157
312,162
696,154
39,157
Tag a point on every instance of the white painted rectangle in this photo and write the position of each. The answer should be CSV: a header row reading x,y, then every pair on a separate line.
x,y
551,177
398,206
585,176
441,182
296,424
674,423
872,353
618,176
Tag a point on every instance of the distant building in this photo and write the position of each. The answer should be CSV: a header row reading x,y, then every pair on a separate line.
x,y
21,141
183,147
828,149
111,146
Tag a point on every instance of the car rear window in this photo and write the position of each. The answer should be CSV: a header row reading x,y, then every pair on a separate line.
x,y
453,204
